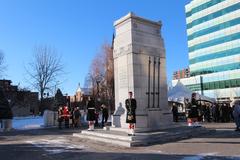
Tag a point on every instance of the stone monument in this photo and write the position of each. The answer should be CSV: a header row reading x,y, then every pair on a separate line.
x,y
140,67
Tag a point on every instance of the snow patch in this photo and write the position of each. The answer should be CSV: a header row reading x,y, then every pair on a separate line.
x,y
209,154
193,158
56,146
24,123
200,156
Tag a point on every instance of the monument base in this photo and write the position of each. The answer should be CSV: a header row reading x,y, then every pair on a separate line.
x,y
50,118
119,136
6,125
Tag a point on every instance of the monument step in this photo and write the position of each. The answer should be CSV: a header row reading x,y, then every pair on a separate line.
x,y
104,139
141,139
116,135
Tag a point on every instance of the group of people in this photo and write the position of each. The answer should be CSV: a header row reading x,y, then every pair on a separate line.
x,y
198,111
93,114
72,117
214,112
65,115
130,104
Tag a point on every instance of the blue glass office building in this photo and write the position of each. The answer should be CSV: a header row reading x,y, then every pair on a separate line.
x,y
213,30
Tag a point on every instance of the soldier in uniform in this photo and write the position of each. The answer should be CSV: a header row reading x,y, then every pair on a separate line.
x,y
194,109
91,114
131,105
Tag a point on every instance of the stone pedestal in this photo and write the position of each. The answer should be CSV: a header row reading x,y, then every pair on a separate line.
x,y
6,124
50,118
140,67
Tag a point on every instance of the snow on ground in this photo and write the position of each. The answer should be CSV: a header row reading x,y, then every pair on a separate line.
x,y
31,122
56,146
193,158
23,123
207,156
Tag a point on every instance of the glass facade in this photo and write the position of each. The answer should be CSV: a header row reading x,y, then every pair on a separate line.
x,y
203,6
215,85
214,15
213,30
215,41
219,68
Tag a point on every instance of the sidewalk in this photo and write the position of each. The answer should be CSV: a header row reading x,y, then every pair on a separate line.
x,y
52,143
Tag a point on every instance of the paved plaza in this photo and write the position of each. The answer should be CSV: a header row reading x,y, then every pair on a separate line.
x,y
48,144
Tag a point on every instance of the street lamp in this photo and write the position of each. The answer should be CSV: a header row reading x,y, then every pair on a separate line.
x,y
55,87
201,85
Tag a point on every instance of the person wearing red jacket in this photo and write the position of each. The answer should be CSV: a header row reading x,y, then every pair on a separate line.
x,y
66,116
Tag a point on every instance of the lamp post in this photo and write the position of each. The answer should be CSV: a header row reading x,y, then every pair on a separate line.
x,y
55,87
98,80
201,85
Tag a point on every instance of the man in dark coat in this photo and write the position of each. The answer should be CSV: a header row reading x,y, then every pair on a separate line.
x,y
104,114
193,115
76,117
236,114
131,106
5,110
175,112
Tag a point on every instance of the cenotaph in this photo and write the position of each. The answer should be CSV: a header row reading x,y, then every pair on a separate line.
x,y
140,67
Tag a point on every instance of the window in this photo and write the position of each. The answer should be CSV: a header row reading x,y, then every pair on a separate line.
x,y
233,83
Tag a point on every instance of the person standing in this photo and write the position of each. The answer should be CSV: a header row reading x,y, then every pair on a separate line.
x,y
60,117
104,114
91,114
66,116
131,106
236,114
76,117
193,115
175,112
224,113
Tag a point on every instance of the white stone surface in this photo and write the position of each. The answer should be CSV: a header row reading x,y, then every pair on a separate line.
x,y
136,40
6,124
50,118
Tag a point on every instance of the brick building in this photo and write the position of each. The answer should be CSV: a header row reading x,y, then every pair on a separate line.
x,y
22,102
184,73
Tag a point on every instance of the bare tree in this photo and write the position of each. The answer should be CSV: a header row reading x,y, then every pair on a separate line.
x,y
96,72
102,68
44,69
109,75
2,66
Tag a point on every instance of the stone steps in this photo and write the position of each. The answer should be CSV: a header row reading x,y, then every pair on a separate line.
x,y
141,139
108,140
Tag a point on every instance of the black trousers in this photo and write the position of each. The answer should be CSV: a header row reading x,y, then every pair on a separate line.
x,y
104,119
175,117
66,123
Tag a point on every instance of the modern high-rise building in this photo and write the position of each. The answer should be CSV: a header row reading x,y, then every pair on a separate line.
x,y
213,32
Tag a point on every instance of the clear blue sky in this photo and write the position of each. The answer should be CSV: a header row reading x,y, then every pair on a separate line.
x,y
78,28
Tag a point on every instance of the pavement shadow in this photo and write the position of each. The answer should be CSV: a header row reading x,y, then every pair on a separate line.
x,y
42,131
30,152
